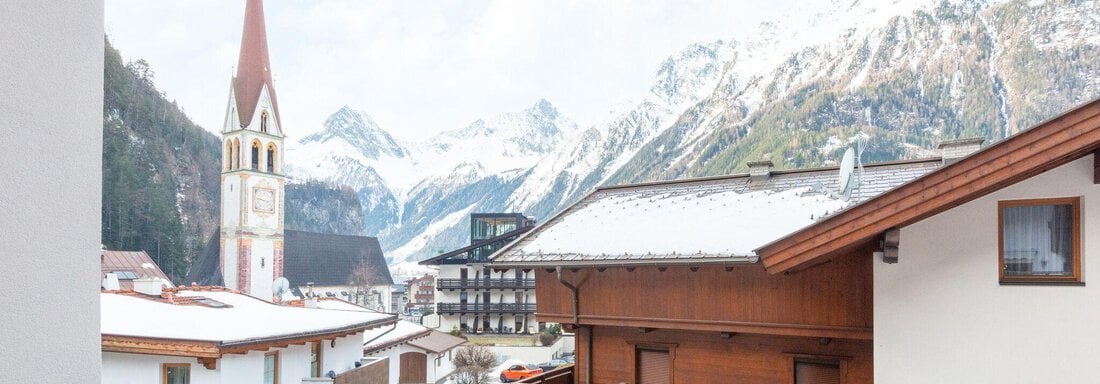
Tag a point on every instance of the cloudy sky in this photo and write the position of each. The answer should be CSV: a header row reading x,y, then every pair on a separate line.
x,y
422,67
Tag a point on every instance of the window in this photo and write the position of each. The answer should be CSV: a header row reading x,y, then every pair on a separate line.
x,y
236,153
1040,240
255,155
263,122
652,366
271,158
271,368
816,372
228,155
316,349
175,373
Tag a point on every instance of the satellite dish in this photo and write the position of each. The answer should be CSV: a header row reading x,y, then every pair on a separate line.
x,y
847,166
280,286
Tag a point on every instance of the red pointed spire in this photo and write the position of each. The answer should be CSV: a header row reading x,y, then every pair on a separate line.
x,y
253,66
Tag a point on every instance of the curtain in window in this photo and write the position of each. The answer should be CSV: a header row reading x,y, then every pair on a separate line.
x,y
1038,240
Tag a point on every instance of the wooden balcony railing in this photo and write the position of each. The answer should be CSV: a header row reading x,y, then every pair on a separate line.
x,y
451,308
453,284
559,375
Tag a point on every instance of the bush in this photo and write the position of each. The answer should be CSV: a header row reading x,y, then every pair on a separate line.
x,y
546,338
554,329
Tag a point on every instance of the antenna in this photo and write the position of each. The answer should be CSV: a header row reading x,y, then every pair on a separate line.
x,y
280,286
847,165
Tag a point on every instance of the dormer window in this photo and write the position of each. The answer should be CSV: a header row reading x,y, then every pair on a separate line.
x,y
263,122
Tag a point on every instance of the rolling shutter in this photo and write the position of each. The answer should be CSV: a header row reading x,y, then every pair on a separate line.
x,y
816,373
653,366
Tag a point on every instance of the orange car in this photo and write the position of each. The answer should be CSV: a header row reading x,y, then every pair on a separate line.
x,y
518,372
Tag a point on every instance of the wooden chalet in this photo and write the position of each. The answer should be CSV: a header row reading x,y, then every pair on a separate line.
x,y
661,283
971,268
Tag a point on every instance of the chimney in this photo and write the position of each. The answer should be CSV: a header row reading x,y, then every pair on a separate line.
x,y
311,299
110,282
954,150
760,170
148,286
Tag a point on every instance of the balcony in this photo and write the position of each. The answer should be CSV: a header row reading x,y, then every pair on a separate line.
x,y
517,308
453,284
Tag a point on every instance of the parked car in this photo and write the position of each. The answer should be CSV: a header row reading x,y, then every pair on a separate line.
x,y
518,372
552,364
570,358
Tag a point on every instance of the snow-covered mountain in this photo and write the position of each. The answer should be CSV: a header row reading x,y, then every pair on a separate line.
x,y
903,74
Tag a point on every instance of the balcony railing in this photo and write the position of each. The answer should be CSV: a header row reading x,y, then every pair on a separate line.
x,y
453,284
450,308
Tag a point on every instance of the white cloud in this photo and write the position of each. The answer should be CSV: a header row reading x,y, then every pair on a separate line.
x,y
423,67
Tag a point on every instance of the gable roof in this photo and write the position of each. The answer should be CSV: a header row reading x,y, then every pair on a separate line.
x,y
401,333
325,259
437,342
695,221
137,263
236,321
308,257
1043,147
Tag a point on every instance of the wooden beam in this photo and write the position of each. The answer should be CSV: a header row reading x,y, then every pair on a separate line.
x,y
209,362
747,327
1068,137
1096,167
164,347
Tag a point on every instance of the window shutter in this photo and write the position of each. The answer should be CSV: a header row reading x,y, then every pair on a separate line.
x,y
653,367
816,373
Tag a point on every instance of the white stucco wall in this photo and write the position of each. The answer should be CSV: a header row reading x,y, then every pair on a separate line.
x,y
51,127
438,368
126,368
940,315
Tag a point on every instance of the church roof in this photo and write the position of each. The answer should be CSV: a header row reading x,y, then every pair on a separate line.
x,y
253,65
308,257
324,259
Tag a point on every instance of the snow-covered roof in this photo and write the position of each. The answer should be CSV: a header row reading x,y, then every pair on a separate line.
x,y
709,220
385,337
225,317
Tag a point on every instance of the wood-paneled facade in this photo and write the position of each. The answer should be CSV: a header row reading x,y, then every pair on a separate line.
x,y
719,323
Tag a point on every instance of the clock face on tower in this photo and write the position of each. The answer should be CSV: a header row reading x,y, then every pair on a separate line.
x,y
263,199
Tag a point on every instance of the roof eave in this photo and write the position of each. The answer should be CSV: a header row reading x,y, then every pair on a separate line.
x,y
733,260
788,253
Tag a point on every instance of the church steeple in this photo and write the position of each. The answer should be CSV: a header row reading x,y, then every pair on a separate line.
x,y
253,185
253,66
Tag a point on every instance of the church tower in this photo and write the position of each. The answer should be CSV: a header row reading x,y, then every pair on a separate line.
x,y
252,170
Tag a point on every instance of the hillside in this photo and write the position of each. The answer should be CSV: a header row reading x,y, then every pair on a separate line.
x,y
162,176
901,75
161,182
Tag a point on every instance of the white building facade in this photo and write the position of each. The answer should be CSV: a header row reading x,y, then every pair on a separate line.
x,y
941,313
213,335
479,299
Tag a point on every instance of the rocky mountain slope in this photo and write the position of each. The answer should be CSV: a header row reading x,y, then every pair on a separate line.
x,y
902,75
